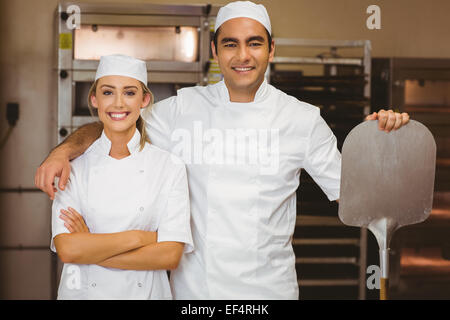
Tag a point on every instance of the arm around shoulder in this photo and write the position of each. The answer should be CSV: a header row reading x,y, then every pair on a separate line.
x,y
78,142
57,163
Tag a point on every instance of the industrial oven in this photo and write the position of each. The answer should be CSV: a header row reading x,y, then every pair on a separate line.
x,y
174,40
348,85
421,87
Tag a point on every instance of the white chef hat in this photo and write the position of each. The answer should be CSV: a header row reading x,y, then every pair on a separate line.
x,y
243,9
121,65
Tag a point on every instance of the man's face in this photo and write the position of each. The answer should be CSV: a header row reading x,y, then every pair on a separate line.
x,y
243,53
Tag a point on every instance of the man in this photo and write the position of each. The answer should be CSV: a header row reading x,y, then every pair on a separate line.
x,y
244,143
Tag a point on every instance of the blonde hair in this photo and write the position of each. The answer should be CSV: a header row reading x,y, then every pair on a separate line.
x,y
140,123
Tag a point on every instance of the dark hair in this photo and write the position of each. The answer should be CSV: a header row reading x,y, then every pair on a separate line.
x,y
216,36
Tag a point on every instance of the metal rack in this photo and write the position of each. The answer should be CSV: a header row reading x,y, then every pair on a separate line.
x,y
331,257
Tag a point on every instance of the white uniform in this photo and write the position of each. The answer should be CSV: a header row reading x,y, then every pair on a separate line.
x,y
243,193
144,191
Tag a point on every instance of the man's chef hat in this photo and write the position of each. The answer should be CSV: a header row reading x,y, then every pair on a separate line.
x,y
121,65
243,9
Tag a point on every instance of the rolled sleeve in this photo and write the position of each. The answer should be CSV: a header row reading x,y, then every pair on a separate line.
x,y
159,120
323,159
175,222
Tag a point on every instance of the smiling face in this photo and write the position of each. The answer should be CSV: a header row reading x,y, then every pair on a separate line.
x,y
118,100
243,55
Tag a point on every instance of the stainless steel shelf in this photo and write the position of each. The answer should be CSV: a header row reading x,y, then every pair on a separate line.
x,y
325,241
327,282
322,43
327,260
312,60
308,220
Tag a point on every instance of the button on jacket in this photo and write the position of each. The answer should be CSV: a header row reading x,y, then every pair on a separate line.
x,y
144,191
243,162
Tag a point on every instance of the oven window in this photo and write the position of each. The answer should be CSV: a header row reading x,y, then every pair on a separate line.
x,y
427,95
146,43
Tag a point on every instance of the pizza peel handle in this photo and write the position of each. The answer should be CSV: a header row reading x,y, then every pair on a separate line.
x,y
387,181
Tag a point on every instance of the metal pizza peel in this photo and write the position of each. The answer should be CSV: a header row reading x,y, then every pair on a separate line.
x,y
387,181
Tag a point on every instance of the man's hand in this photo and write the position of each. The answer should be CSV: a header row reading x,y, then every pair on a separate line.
x,y
389,120
56,165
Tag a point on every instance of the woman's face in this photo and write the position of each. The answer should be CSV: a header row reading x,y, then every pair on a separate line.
x,y
118,100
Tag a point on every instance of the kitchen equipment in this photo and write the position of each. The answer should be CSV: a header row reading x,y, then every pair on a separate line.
x,y
387,182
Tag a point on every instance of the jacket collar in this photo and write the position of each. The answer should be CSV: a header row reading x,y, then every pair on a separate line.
x,y
260,96
104,144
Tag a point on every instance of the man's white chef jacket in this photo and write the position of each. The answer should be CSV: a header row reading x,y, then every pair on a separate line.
x,y
145,191
243,190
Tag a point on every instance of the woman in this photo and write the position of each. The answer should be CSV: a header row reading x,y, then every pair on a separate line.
x,y
124,218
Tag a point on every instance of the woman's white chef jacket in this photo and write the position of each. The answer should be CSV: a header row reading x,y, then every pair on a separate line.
x,y
243,221
144,191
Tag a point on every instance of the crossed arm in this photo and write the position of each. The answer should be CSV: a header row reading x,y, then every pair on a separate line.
x,y
128,250
57,164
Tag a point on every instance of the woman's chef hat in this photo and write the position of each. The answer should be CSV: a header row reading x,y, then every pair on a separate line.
x,y
121,65
243,9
